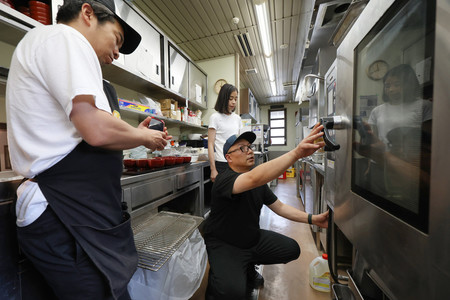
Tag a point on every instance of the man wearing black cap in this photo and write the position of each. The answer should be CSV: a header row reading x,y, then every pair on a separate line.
x,y
67,139
234,240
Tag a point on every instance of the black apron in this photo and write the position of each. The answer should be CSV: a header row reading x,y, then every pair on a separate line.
x,y
84,190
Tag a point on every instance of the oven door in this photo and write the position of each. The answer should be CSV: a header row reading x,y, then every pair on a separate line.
x,y
392,193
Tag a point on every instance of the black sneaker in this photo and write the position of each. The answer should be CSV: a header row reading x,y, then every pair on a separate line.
x,y
254,279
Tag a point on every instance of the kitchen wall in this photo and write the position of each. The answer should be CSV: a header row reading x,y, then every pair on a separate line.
x,y
218,68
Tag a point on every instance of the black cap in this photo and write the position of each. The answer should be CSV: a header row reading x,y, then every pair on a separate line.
x,y
131,37
249,136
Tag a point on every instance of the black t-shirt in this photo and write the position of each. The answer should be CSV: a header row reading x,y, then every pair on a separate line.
x,y
234,219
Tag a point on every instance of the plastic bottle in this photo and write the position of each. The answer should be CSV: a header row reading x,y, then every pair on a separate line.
x,y
319,274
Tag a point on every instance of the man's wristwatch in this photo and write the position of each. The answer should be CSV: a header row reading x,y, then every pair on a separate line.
x,y
310,219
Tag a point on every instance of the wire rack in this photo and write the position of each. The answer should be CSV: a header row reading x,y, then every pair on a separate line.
x,y
159,236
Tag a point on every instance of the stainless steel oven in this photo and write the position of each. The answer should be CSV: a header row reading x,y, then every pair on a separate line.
x,y
392,193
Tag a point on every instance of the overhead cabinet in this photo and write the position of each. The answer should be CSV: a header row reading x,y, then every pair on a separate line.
x,y
147,59
249,107
197,85
178,71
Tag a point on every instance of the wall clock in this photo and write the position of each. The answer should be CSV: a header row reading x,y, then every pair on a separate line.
x,y
218,85
377,69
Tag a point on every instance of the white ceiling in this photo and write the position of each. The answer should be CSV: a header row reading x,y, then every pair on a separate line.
x,y
203,29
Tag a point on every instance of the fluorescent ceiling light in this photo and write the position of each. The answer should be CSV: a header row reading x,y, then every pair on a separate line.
x,y
264,28
269,65
273,87
262,14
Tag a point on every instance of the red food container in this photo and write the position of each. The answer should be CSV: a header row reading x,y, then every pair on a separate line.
x,y
39,9
38,4
40,15
158,162
142,163
169,160
187,159
150,163
179,160
129,163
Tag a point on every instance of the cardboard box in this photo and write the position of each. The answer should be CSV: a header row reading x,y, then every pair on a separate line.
x,y
172,114
168,104
135,106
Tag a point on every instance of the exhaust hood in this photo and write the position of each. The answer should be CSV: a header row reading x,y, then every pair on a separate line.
x,y
346,22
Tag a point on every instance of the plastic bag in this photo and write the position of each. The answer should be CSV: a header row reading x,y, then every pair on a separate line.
x,y
178,278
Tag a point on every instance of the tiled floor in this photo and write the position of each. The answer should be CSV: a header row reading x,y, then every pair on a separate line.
x,y
290,281
285,281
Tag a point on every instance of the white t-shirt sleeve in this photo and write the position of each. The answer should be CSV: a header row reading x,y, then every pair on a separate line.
x,y
213,121
239,120
72,71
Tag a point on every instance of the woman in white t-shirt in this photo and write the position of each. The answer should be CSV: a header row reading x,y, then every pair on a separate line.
x,y
222,124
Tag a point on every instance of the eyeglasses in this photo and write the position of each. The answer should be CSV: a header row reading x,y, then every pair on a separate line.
x,y
244,148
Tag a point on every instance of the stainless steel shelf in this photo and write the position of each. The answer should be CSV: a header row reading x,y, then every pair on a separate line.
x,y
14,25
120,74
142,115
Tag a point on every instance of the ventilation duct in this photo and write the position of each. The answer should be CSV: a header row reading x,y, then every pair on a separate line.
x,y
329,14
245,45
347,21
289,85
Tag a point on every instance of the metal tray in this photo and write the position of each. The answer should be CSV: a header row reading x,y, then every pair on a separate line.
x,y
159,236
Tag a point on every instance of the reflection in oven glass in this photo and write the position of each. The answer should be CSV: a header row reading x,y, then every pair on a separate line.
x,y
393,114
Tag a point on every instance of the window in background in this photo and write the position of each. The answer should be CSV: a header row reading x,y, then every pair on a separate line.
x,y
277,123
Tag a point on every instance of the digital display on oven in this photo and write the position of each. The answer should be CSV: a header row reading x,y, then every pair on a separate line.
x,y
392,112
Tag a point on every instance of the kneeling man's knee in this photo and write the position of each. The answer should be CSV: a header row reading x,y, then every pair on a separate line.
x,y
294,250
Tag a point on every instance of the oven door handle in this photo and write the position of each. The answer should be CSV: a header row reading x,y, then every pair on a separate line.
x,y
329,123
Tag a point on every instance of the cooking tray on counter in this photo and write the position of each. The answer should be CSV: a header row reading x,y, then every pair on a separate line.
x,y
139,171
160,235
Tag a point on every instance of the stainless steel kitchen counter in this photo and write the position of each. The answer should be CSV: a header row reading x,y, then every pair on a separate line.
x,y
128,179
179,189
318,167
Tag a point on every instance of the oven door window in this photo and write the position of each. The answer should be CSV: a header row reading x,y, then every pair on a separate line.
x,y
392,112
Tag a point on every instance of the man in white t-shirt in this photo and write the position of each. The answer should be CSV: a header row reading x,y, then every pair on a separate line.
x,y
67,139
